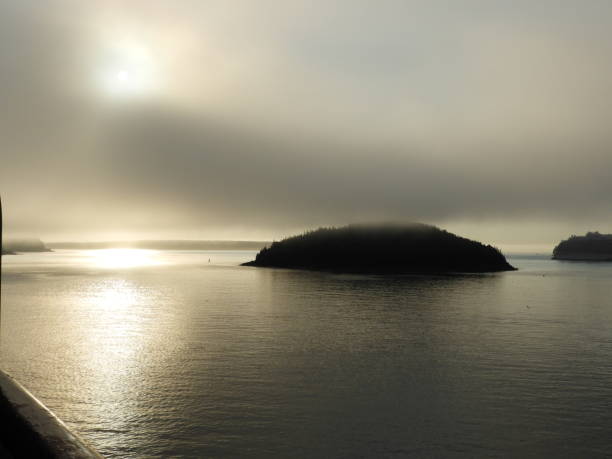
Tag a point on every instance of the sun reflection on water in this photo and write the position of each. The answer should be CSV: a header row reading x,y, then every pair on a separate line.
x,y
114,309
115,313
123,258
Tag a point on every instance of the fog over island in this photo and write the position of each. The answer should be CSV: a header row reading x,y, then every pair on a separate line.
x,y
205,120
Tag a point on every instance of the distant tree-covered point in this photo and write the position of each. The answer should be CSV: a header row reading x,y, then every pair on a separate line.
x,y
12,246
590,247
413,248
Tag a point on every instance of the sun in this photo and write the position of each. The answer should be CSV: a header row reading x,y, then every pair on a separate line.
x,y
123,75
127,70
126,83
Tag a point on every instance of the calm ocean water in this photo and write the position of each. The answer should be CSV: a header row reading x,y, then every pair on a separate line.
x,y
165,354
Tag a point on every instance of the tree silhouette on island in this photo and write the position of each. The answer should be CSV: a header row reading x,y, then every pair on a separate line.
x,y
385,249
592,246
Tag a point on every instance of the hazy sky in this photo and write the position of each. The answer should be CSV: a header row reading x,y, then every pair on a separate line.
x,y
255,119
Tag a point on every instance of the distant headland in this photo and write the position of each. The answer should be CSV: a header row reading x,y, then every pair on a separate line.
x,y
392,248
590,247
13,246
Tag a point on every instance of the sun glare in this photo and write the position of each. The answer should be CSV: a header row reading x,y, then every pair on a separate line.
x,y
123,258
127,70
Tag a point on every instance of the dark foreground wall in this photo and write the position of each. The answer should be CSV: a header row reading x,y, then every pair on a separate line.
x,y
30,430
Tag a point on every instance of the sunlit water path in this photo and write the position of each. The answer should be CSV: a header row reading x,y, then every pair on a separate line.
x,y
157,354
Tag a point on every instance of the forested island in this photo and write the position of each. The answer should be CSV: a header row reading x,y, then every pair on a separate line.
x,y
592,246
412,248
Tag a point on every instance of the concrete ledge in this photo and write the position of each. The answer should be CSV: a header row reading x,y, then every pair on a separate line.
x,y
30,430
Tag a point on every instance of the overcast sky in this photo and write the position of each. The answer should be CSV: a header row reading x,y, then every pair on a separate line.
x,y
252,120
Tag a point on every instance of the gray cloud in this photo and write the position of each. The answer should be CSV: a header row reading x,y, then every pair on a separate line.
x,y
262,119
